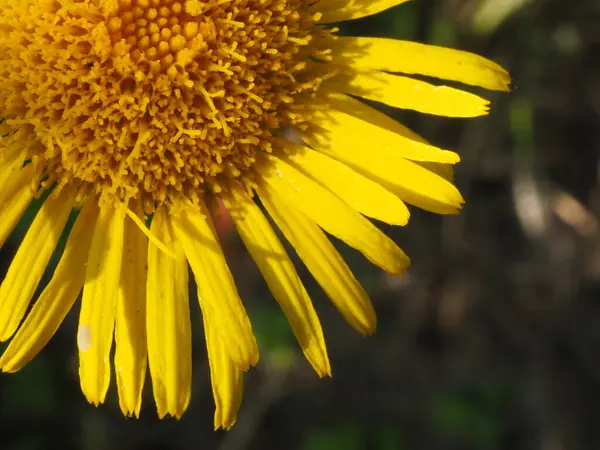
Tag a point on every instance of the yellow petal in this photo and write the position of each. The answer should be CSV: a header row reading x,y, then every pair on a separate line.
x,y
29,264
340,10
216,288
413,58
347,121
10,167
371,115
168,321
372,153
281,277
57,298
324,262
408,93
332,214
97,316
226,379
362,194
15,197
130,331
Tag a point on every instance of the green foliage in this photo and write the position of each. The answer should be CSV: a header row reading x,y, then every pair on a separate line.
x,y
28,393
273,334
473,415
346,436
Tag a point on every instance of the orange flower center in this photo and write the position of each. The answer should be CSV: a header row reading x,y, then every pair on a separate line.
x,y
152,100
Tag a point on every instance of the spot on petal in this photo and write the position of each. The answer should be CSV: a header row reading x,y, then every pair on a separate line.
x,y
84,338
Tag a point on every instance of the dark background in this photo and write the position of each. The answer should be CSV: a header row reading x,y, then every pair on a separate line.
x,y
491,341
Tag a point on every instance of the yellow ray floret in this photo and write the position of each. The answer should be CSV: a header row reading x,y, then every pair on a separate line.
x,y
408,93
281,277
333,215
342,138
345,126
391,170
372,116
10,167
130,324
413,58
339,10
168,321
196,232
360,193
98,305
15,197
324,262
29,264
57,298
226,378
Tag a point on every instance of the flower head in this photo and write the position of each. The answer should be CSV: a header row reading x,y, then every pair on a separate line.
x,y
131,112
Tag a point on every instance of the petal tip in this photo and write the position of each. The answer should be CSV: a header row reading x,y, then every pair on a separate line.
x,y
451,157
245,360
8,365
401,265
6,332
368,328
128,411
320,363
504,80
225,425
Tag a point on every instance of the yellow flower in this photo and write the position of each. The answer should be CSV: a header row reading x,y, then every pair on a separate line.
x,y
128,111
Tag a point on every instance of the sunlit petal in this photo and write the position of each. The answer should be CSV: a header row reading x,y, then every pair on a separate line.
x,y
216,288
226,379
362,194
339,10
168,322
409,93
15,197
394,55
98,306
333,215
29,264
324,262
130,328
281,277
57,298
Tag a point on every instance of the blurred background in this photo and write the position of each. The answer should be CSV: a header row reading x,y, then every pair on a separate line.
x,y
492,339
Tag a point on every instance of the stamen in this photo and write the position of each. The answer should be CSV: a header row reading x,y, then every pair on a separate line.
x,y
133,216
152,100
